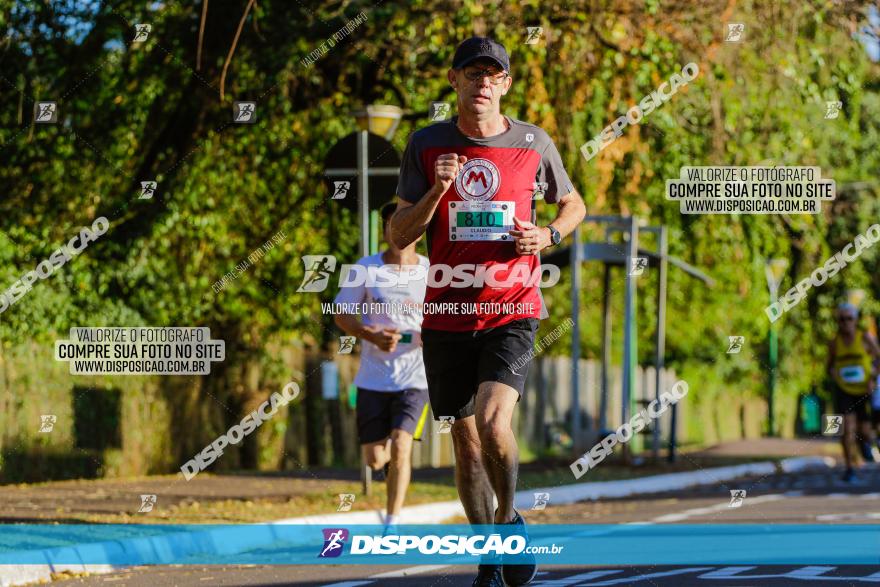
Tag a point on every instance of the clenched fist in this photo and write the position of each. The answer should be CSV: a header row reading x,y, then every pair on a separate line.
x,y
384,338
446,168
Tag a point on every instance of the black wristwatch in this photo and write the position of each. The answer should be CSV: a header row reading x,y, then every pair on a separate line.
x,y
555,237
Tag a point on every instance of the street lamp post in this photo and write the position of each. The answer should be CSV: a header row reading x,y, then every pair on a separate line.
x,y
381,120
773,270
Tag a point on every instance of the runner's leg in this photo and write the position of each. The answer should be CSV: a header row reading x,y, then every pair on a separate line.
x,y
473,485
376,454
849,439
500,454
866,429
400,470
406,409
374,426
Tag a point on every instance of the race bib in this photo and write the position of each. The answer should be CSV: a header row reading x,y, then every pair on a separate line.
x,y
852,374
480,221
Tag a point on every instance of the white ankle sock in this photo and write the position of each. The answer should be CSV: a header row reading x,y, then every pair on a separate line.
x,y
391,520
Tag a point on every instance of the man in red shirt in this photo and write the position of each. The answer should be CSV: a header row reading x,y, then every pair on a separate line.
x,y
470,184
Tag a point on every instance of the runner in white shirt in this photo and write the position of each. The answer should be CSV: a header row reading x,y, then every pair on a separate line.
x,y
392,389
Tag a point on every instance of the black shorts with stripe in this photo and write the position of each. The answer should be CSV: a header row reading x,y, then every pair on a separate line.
x,y
456,363
380,412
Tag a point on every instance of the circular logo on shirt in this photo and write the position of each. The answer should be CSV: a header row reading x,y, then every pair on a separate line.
x,y
478,180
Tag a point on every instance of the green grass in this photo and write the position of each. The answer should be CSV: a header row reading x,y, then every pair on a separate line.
x,y
438,486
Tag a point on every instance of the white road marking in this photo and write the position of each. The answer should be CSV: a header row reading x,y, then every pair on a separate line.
x,y
726,573
855,516
808,572
408,571
650,576
391,575
678,517
567,581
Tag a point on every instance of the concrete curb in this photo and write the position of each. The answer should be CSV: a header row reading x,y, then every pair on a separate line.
x,y
432,513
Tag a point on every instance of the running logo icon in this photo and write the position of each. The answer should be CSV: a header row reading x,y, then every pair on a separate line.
x,y
446,423
439,111
334,541
141,32
832,109
148,189
346,345
737,496
147,503
735,344
346,501
735,32
244,112
833,425
46,112
478,180
47,422
637,265
318,268
533,34
340,189
541,500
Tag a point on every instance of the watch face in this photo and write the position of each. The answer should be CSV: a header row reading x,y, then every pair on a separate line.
x,y
555,237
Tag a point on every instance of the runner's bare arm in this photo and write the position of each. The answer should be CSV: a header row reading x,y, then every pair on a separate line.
x,y
531,239
411,220
831,356
871,345
384,339
351,326
571,212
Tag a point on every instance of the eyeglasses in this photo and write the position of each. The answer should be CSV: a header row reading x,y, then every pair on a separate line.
x,y
495,77
846,319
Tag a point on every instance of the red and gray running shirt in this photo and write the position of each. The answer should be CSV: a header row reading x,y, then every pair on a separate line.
x,y
504,175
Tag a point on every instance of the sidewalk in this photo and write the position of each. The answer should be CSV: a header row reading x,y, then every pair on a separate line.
x,y
262,497
775,447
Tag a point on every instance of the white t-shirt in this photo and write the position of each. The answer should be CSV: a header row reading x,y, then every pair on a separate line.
x,y
403,368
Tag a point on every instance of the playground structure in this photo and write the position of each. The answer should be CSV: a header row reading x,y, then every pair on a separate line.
x,y
634,260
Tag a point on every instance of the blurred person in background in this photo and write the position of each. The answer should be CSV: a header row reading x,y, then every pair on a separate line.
x,y
853,366
392,390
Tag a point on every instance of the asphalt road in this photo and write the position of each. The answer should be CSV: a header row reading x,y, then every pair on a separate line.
x,y
812,497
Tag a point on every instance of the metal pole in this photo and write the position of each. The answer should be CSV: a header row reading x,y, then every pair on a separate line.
x,y
364,218
363,195
606,348
375,237
629,329
774,352
575,262
660,343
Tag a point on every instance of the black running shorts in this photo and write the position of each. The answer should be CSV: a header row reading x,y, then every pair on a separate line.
x,y
847,403
380,412
456,363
